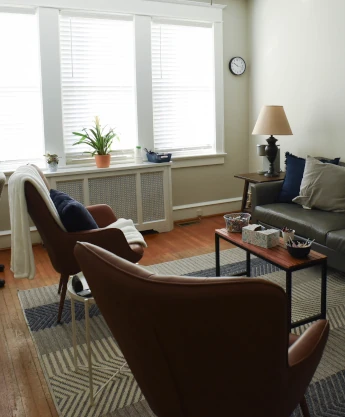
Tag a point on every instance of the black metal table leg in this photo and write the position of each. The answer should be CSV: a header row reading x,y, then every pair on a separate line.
x,y
289,297
324,289
248,271
217,256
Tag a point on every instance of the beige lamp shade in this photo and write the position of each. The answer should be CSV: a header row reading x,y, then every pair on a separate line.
x,y
272,120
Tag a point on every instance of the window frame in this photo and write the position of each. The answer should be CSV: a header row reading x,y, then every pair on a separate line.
x,y
166,24
9,163
143,13
144,94
124,154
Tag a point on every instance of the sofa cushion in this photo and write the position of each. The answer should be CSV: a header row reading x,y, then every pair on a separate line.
x,y
74,216
317,187
313,224
293,178
336,240
294,174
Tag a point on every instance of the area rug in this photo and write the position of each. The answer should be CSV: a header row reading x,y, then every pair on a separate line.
x,y
122,397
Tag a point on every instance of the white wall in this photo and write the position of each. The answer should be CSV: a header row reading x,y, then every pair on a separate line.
x,y
298,61
191,185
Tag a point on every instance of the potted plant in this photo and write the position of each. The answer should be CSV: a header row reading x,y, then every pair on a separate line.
x,y
52,161
100,142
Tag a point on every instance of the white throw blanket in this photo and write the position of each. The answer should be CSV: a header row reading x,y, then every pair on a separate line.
x,y
22,258
131,233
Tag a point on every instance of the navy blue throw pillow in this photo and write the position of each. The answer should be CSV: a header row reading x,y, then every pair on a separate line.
x,y
293,176
74,216
334,161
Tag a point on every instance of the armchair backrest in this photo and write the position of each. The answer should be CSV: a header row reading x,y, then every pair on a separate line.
x,y
196,346
2,182
53,237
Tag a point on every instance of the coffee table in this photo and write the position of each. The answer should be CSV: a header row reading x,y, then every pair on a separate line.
x,y
280,257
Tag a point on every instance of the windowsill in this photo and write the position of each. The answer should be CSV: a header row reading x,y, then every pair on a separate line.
x,y
81,169
177,162
198,160
75,170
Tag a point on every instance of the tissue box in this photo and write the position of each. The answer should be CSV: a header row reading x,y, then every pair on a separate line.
x,y
248,232
265,238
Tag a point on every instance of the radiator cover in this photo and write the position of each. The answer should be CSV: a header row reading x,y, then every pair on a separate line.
x,y
140,192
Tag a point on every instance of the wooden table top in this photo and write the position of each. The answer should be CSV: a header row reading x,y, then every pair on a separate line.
x,y
256,178
277,255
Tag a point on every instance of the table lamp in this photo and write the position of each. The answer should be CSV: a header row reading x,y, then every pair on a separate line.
x,y
272,120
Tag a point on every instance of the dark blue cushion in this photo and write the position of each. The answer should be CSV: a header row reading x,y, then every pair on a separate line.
x,y
334,161
293,176
74,216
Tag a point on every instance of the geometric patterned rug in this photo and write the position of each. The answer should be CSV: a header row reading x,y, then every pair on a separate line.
x,y
122,397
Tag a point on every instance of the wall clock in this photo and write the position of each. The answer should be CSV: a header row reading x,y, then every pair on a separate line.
x,y
237,65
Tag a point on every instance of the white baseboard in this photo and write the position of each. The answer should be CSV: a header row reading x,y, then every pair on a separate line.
x,y
187,211
5,238
207,208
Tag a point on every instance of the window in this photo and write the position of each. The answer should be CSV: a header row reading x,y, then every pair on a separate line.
x,y
183,87
21,121
153,74
97,71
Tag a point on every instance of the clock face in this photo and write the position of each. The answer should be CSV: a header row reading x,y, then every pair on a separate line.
x,y
237,65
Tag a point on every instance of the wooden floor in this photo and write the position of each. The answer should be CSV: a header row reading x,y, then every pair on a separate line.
x,y
23,390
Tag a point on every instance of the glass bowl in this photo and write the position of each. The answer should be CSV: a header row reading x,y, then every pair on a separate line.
x,y
234,222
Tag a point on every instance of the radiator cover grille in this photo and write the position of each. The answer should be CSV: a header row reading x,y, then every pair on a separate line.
x,y
152,196
74,188
118,192
141,193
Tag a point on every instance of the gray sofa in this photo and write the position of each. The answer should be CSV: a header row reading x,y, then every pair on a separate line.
x,y
327,228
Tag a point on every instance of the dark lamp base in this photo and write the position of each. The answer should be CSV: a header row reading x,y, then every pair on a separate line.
x,y
270,175
271,153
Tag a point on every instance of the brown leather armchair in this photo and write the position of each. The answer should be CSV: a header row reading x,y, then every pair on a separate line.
x,y
2,182
60,244
204,347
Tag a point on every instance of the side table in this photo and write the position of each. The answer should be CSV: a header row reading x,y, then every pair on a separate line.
x,y
254,178
87,303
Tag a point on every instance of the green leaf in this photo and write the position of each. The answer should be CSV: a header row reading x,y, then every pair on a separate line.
x,y
79,134
96,139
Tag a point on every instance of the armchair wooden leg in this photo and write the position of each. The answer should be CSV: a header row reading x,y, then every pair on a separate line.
x,y
63,281
60,285
304,407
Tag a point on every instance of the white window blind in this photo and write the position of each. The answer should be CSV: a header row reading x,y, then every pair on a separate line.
x,y
21,121
97,70
183,87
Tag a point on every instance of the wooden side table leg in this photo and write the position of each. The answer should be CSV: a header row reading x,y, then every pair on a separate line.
x,y
245,195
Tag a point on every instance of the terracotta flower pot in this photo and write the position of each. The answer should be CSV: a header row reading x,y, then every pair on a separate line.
x,y
102,161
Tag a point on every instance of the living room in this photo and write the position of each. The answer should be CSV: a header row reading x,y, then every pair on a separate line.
x,y
286,48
